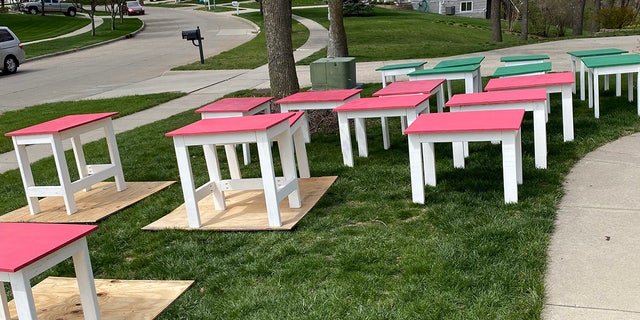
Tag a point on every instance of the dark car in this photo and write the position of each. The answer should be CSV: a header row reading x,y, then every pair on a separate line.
x,y
132,8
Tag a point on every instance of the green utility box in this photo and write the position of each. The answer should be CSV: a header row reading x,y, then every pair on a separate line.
x,y
333,73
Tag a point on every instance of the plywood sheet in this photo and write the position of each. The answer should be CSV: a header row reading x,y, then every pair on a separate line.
x,y
58,298
93,205
246,210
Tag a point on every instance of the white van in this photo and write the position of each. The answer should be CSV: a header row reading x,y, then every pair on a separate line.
x,y
11,52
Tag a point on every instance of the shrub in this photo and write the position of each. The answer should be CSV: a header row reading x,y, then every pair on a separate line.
x,y
615,17
357,8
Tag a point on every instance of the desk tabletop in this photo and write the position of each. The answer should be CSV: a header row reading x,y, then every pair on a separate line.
x,y
530,81
447,70
401,66
387,102
320,96
596,52
459,62
471,121
612,61
259,122
61,124
26,243
409,87
243,104
522,69
493,97
524,58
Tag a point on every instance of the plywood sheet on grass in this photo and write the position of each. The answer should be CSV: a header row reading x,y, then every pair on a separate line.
x,y
246,210
93,205
58,298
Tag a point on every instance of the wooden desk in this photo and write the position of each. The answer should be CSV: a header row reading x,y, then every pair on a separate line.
x,y
526,59
449,63
618,64
534,100
576,58
394,70
28,249
433,87
237,107
495,125
523,69
469,73
259,129
560,82
358,110
54,132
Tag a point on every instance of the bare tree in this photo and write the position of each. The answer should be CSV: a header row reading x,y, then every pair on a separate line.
x,y
496,28
337,35
524,34
282,68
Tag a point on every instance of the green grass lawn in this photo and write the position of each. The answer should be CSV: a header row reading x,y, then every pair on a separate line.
x,y
35,27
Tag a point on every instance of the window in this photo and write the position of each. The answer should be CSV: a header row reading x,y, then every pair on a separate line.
x,y
466,6
5,36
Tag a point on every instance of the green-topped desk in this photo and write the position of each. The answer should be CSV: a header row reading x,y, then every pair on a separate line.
x,y
451,63
524,69
469,73
576,58
394,70
520,60
618,64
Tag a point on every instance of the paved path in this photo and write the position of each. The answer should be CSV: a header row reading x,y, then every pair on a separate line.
x,y
594,268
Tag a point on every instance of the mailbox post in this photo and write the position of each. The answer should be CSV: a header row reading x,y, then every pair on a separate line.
x,y
194,35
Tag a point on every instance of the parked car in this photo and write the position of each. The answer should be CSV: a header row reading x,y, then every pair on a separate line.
x,y
34,7
11,52
132,8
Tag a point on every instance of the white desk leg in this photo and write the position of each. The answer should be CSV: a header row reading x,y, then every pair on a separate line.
x,y
618,84
638,91
246,154
81,163
384,80
186,180
449,89
630,86
416,167
582,70
459,153
440,93
590,75
573,71
63,175
27,175
232,159
345,139
269,179
606,82
4,305
540,138
215,176
301,154
594,95
567,113
469,84
287,161
510,167
519,156
385,133
86,284
114,155
429,163
22,296
361,136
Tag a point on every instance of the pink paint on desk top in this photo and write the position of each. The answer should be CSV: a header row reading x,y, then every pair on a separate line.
x,y
296,116
530,81
470,121
25,243
259,122
320,96
235,104
386,102
492,97
61,124
409,87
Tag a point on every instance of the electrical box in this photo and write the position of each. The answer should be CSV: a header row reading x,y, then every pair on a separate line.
x,y
450,10
333,73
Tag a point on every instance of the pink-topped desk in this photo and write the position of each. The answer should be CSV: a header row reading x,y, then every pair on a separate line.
x,y
317,100
28,249
560,82
434,87
490,125
259,129
534,100
392,106
236,107
54,132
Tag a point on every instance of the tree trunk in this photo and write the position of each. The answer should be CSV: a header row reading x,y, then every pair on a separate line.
x,y
496,28
524,34
577,8
282,67
337,46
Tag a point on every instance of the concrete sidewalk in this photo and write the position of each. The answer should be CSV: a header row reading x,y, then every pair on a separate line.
x,y
593,262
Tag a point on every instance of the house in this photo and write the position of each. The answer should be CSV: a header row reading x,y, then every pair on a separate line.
x,y
465,8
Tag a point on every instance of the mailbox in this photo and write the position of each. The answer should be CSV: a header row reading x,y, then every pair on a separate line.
x,y
191,34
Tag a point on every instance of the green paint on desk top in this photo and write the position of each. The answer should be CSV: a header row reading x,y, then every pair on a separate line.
x,y
459,62
401,66
522,69
596,52
460,69
524,58
612,61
